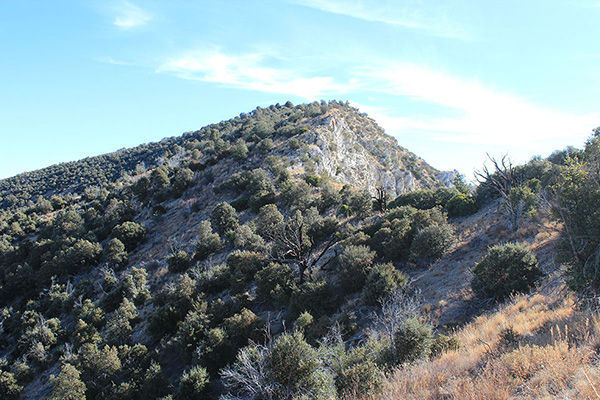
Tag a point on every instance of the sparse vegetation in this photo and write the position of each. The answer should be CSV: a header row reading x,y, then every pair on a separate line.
x,y
236,262
505,269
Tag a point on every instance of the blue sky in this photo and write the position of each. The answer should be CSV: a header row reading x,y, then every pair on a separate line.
x,y
450,80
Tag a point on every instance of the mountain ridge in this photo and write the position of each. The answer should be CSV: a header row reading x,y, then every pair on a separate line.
x,y
410,171
180,253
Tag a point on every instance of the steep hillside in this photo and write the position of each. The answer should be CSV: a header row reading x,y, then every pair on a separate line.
x,y
538,345
296,252
331,138
138,273
445,284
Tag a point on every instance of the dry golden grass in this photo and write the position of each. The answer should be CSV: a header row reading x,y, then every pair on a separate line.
x,y
536,346
551,356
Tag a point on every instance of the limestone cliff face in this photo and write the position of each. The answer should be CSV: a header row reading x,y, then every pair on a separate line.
x,y
351,148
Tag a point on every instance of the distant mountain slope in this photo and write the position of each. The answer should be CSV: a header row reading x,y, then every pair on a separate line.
x,y
331,138
143,273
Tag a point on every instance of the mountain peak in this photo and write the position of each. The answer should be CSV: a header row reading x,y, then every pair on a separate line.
x,y
323,138
349,146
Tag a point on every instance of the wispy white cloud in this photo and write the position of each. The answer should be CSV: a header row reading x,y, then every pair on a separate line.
x,y
129,16
431,20
110,60
473,113
479,114
249,71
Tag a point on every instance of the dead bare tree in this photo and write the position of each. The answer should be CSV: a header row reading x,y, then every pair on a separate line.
x,y
381,199
395,310
248,378
503,179
292,245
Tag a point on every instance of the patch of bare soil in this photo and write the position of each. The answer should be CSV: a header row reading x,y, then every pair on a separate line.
x,y
445,285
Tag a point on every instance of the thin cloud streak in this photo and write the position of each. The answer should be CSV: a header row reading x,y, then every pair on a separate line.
x,y
248,72
476,114
430,21
482,115
130,16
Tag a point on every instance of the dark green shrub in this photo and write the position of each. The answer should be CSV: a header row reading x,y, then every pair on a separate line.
x,y
269,220
523,198
534,184
241,203
214,279
158,210
192,329
315,297
402,212
215,350
58,202
182,180
207,242
413,341
84,333
294,144
355,264
360,203
115,253
330,197
266,145
297,194
141,187
237,181
258,180
460,184
243,326
288,369
382,282
422,199
119,325
67,385
505,269
424,218
275,282
194,384
245,238
246,262
576,198
461,204
560,157
68,222
90,313
442,195
164,320
432,242
393,239
159,179
313,180
179,261
239,151
134,285
319,227
224,217
9,388
261,198
129,233
80,254
296,369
